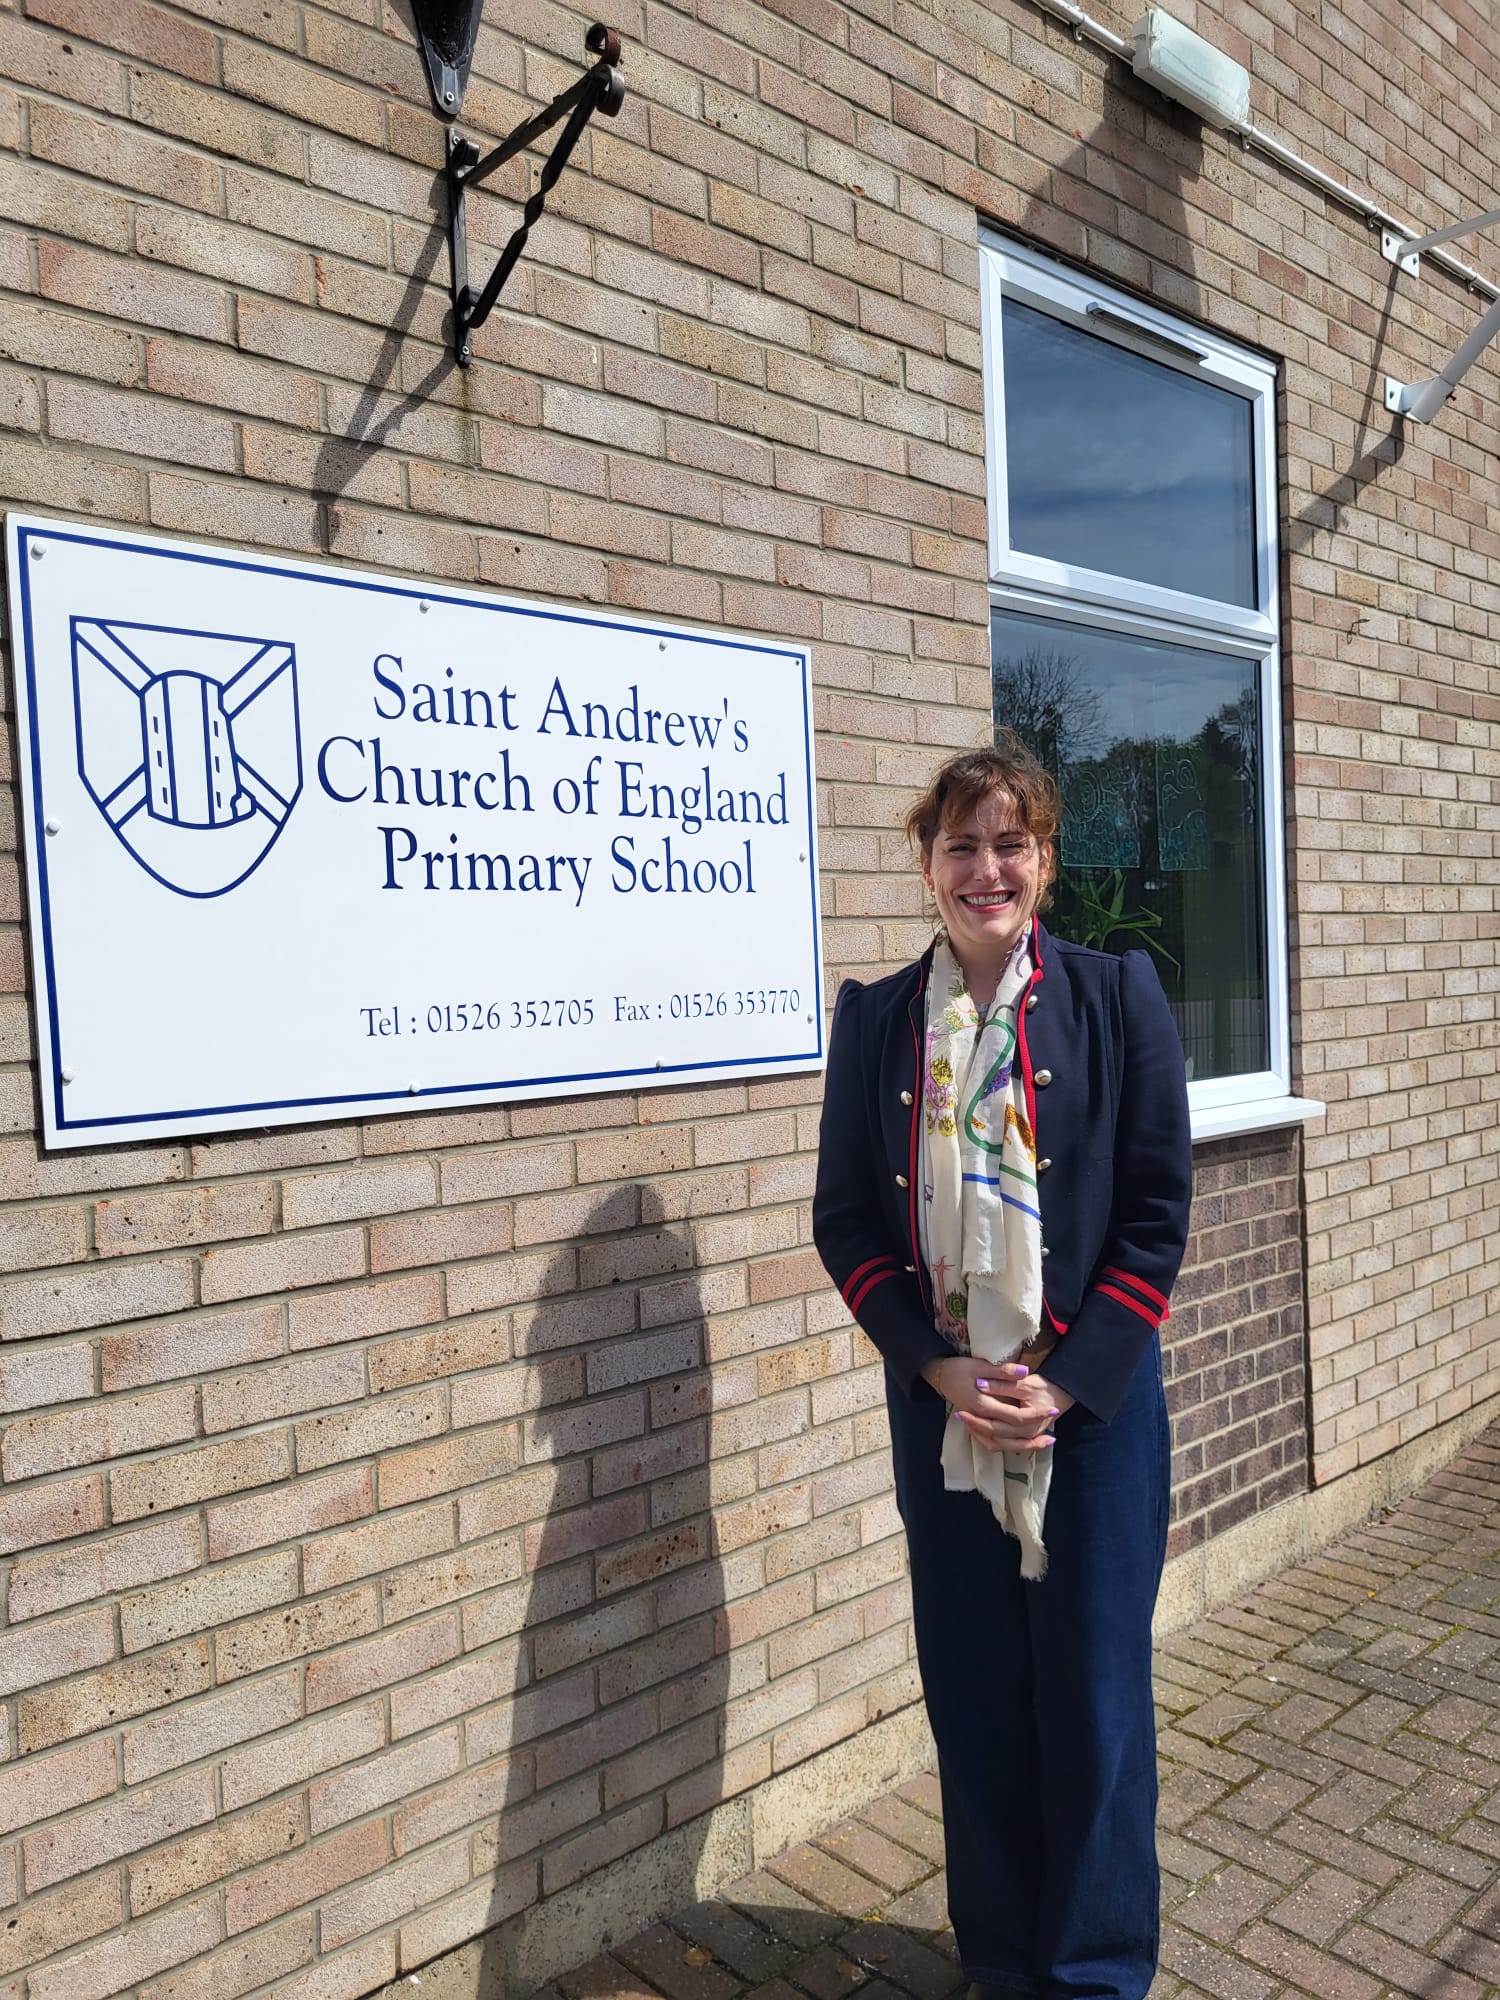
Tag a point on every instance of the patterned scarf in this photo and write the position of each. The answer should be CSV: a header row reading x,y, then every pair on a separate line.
x,y
981,1227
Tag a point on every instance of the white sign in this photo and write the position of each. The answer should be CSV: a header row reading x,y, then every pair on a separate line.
x,y
305,842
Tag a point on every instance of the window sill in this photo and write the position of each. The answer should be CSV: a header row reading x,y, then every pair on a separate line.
x,y
1260,1114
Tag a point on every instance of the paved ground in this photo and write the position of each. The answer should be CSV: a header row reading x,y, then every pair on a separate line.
x,y
1330,1816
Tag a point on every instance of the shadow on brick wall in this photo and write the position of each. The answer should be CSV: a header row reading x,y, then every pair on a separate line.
x,y
1380,441
614,1737
380,411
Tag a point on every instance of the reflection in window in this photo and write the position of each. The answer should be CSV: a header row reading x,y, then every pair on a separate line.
x,y
1125,465
1156,749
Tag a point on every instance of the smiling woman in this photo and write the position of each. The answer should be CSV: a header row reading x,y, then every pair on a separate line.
x,y
986,866
1003,1187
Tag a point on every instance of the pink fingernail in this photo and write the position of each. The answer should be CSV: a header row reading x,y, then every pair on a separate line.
x,y
1021,1370
981,1382
1054,1413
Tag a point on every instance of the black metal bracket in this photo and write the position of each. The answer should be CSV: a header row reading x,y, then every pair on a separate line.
x,y
601,88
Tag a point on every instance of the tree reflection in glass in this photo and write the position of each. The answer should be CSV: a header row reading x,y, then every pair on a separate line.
x,y
1156,749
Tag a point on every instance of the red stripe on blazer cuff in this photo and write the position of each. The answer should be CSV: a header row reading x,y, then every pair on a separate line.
x,y
868,1286
1113,1292
870,1264
1137,1284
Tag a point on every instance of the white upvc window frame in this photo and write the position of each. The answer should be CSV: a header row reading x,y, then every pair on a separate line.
x,y
1042,587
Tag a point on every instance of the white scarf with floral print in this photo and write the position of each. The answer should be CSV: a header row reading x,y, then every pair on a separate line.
x,y
980,1224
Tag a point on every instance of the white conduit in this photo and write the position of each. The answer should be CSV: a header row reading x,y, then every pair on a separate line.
x,y
1084,24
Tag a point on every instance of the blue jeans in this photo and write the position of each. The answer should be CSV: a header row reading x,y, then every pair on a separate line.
x,y
1039,1696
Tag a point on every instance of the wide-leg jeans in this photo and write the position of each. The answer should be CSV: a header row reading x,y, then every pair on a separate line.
x,y
1039,1695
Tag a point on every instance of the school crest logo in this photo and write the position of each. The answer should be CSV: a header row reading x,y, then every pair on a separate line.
x,y
188,743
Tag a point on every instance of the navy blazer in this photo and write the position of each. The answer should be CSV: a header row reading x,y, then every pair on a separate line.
x,y
1106,1094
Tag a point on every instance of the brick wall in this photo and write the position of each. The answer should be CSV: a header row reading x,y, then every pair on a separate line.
x,y
401,1521
391,1582
1234,1349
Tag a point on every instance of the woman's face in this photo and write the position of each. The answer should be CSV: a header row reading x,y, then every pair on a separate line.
x,y
986,876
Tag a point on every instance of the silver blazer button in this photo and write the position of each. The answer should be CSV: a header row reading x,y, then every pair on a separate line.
x,y
1042,1078
1042,1166
902,1181
906,1097
1031,1000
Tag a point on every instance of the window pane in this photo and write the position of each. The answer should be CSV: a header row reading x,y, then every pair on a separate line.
x,y
1157,752
1120,464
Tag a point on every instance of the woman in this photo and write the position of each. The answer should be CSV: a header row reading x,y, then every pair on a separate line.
x,y
1003,1190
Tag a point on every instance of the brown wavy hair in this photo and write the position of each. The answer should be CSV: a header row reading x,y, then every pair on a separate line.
x,y
1006,767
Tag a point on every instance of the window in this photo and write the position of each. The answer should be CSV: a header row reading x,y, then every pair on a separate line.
x,y
1134,647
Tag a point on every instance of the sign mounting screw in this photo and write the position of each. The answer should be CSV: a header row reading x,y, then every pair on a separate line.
x,y
37,551
68,1075
54,826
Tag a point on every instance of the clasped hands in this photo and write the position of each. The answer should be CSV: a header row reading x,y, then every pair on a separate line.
x,y
1001,1404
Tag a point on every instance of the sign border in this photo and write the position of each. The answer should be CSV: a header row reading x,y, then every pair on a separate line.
x,y
22,531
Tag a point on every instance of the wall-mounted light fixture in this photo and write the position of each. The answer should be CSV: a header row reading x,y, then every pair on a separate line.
x,y
1182,66
447,30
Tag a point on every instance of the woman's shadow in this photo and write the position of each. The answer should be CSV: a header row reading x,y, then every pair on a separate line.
x,y
607,1756
603,1769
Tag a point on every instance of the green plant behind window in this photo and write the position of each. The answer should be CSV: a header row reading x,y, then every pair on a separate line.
x,y
1091,911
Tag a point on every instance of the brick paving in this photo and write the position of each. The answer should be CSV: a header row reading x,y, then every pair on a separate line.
x,y
1330,1807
